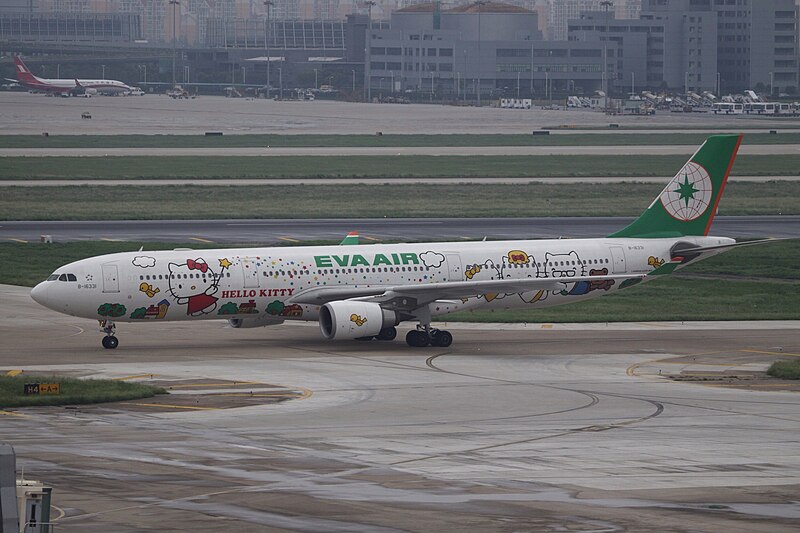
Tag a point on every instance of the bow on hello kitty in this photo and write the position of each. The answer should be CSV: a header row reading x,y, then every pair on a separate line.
x,y
198,264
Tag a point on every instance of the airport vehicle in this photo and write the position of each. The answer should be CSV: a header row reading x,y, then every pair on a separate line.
x,y
727,108
365,291
65,86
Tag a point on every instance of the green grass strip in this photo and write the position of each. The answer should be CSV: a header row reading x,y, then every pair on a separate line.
x,y
389,140
97,202
665,299
73,391
140,167
785,369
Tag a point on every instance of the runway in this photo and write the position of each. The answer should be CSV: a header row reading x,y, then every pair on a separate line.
x,y
266,231
463,151
523,428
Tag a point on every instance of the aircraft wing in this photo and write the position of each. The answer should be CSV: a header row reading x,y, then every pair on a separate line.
x,y
423,293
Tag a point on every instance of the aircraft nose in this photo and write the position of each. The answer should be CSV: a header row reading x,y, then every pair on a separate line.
x,y
39,293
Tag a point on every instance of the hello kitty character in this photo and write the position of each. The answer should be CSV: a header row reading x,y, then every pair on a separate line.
x,y
193,283
563,265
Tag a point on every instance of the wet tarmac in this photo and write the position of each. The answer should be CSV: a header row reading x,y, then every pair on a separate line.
x,y
529,427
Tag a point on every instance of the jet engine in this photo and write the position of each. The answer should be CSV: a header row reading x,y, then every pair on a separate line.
x,y
351,320
257,322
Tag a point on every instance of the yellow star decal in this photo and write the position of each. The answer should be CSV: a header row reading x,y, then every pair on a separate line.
x,y
224,263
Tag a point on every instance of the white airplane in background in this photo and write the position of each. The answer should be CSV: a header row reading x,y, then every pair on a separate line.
x,y
364,291
65,85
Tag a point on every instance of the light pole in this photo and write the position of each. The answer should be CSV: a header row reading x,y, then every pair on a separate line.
x,y
517,85
718,88
606,4
771,83
480,4
104,71
186,74
280,80
174,4
144,68
368,44
316,86
244,75
354,80
392,73
268,4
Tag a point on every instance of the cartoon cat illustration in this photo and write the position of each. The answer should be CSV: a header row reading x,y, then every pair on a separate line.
x,y
193,283
563,265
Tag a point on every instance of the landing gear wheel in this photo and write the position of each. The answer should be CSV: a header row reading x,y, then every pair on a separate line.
x,y
417,338
441,338
110,342
387,334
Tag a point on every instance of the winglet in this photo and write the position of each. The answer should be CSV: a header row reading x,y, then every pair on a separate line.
x,y
668,267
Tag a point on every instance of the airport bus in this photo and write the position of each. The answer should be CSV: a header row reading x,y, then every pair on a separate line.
x,y
727,108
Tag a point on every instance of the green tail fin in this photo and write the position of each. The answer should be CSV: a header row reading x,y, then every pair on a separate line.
x,y
688,203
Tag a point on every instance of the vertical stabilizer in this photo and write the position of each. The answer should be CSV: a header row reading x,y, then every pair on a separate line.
x,y
24,75
688,203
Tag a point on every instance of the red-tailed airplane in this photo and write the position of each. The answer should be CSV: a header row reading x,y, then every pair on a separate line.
x,y
64,85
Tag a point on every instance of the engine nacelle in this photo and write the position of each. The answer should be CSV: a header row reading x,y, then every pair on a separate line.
x,y
350,320
257,322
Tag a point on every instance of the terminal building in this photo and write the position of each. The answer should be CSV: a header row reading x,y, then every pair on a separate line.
x,y
485,49
721,46
448,50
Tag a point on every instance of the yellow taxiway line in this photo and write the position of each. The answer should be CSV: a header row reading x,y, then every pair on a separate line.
x,y
12,373
136,376
21,241
762,352
287,239
198,239
170,406
188,385
12,413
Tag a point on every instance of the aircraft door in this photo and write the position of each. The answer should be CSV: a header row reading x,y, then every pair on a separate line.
x,y
456,273
250,271
110,278
618,260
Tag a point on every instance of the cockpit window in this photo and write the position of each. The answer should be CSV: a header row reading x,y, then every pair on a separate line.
x,y
71,277
53,277
62,277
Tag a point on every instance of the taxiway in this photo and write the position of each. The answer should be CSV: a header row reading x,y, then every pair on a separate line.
x,y
372,229
525,427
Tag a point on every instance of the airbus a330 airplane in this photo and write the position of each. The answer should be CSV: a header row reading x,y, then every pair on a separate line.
x,y
364,291
65,85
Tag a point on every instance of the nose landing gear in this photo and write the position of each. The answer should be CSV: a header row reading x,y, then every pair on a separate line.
x,y
110,341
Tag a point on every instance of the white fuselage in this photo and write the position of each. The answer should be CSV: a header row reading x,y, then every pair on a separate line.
x,y
66,85
259,283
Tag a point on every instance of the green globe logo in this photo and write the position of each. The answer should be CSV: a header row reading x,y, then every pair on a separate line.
x,y
689,193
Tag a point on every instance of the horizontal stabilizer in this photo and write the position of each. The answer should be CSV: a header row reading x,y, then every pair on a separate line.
x,y
690,253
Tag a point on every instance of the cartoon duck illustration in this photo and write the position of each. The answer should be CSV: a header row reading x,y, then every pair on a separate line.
x,y
357,320
149,290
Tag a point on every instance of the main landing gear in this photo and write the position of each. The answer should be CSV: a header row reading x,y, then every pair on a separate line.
x,y
424,336
109,341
